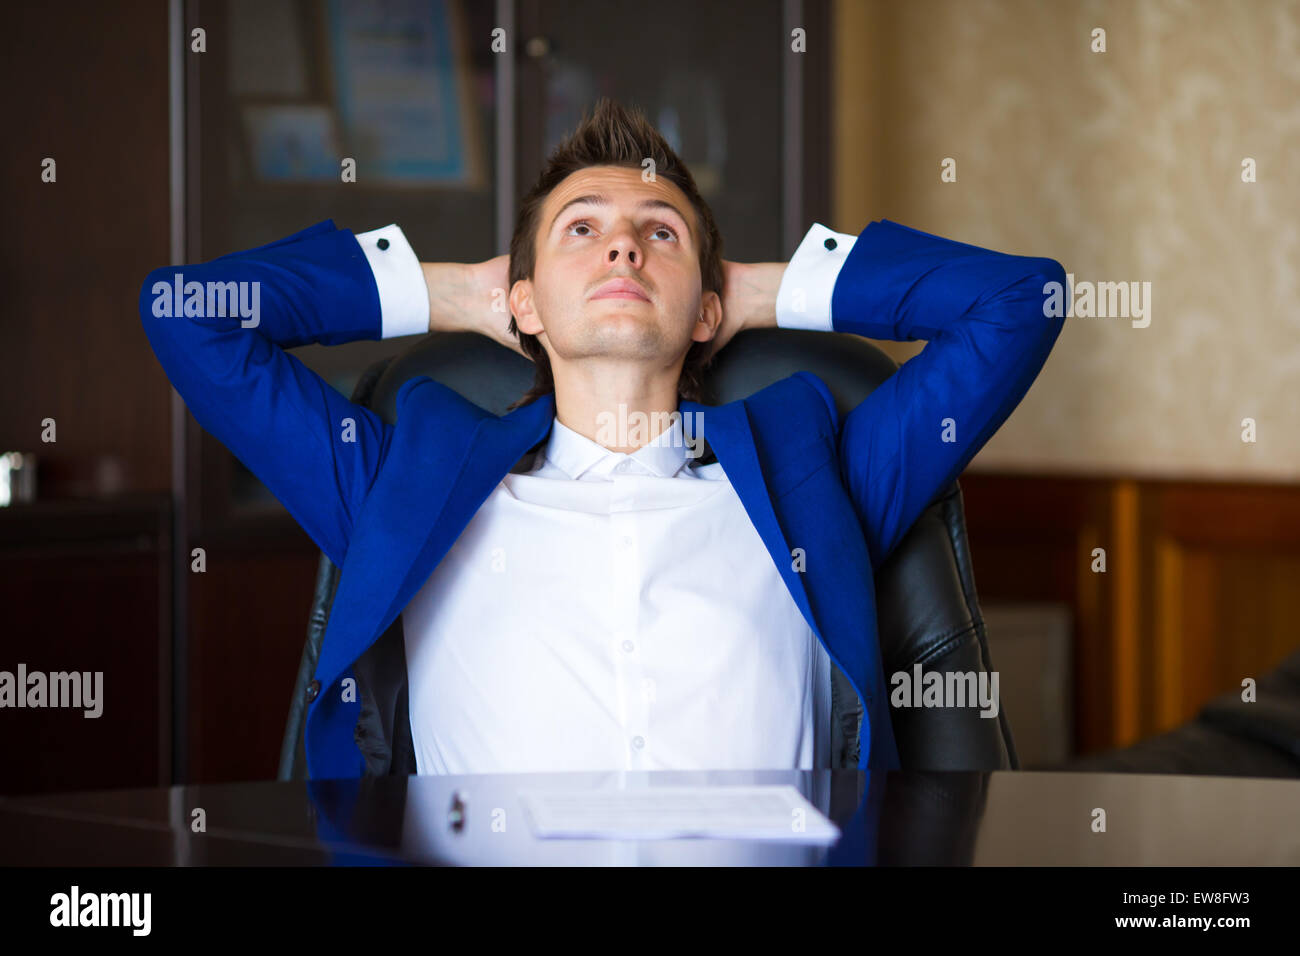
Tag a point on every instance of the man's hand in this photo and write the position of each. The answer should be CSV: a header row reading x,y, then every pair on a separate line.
x,y
462,296
749,299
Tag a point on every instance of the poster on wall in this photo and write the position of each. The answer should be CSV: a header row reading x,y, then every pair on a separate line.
x,y
402,92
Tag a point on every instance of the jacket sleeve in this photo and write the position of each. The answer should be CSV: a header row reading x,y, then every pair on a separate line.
x,y
988,333
223,348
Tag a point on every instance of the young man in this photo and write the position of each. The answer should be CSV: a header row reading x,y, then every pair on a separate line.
x,y
613,600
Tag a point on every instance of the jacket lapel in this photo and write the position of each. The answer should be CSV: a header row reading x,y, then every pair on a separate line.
x,y
728,432
424,498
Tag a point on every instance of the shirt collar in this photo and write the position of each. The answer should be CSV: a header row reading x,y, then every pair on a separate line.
x,y
581,458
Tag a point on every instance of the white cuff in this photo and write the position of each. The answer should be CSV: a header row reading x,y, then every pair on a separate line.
x,y
403,294
804,299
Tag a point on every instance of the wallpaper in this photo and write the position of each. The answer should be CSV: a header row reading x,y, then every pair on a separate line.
x,y
1127,167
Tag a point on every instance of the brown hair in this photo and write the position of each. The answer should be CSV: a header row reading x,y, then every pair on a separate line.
x,y
613,135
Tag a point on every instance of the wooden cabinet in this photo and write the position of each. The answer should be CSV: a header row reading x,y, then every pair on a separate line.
x,y
1198,591
85,587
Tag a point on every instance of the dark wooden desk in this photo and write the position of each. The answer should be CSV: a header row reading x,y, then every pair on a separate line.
x,y
900,818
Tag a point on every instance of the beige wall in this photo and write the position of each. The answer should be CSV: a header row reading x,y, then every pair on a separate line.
x,y
1123,166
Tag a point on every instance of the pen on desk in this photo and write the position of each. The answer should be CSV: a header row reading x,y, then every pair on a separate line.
x,y
456,815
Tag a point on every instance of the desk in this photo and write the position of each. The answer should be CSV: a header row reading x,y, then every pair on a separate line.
x,y
897,818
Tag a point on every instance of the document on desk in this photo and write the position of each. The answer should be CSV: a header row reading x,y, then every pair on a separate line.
x,y
666,813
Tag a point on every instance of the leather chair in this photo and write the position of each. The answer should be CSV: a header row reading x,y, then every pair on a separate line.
x,y
927,608
1228,737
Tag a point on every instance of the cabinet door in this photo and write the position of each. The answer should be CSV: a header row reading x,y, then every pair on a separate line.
x,y
714,78
289,95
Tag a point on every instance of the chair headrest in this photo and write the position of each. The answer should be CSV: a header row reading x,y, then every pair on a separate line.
x,y
492,376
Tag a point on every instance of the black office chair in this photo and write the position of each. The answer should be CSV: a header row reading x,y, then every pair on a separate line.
x,y
1228,737
927,609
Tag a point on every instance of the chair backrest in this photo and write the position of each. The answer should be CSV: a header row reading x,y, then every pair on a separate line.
x,y
927,609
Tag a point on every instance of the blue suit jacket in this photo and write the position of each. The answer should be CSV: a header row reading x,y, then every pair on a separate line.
x,y
387,505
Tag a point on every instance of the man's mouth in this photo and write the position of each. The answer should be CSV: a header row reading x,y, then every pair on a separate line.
x,y
621,289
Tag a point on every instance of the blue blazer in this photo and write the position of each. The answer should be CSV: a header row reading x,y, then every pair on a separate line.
x,y
386,502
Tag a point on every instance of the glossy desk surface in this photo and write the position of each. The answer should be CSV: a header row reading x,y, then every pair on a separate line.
x,y
1026,818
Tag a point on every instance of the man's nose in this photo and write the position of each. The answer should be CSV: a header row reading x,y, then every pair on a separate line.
x,y
624,247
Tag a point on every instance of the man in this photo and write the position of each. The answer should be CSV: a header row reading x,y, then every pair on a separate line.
x,y
576,592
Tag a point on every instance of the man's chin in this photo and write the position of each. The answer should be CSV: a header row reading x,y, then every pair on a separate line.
x,y
608,337
638,321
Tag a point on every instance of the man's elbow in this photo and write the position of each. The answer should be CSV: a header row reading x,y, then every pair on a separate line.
x,y
1037,299
157,295
1049,303
1053,289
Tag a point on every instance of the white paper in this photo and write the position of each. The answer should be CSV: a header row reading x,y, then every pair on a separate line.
x,y
664,813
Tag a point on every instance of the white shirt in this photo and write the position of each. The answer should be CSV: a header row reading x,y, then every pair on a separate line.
x,y
609,611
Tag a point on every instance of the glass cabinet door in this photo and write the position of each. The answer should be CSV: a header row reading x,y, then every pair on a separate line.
x,y
367,112
710,75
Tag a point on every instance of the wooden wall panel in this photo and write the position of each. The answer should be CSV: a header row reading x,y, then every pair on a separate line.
x,y
248,617
1032,540
87,88
85,578
1199,589
83,587
1226,565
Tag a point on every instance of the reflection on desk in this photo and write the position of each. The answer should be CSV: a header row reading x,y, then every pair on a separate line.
x,y
907,818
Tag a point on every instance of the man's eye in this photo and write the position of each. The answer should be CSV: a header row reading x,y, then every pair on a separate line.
x,y
669,231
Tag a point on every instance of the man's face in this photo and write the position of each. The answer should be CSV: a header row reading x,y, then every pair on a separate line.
x,y
617,273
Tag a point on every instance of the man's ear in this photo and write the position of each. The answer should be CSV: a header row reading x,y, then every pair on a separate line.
x,y
706,326
521,307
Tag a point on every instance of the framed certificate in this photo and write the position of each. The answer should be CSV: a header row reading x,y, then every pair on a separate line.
x,y
402,91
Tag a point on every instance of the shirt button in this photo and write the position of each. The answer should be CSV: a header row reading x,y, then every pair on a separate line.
x,y
629,646
830,243
313,689
638,742
382,244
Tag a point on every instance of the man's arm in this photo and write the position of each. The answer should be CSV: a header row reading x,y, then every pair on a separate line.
x,y
471,297
316,451
749,298
982,315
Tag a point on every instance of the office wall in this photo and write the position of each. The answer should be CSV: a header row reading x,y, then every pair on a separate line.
x,y
1125,166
